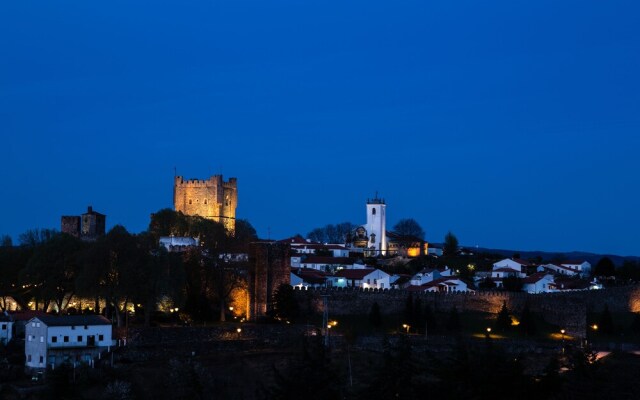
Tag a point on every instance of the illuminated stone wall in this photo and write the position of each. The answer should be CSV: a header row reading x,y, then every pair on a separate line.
x,y
213,199
567,309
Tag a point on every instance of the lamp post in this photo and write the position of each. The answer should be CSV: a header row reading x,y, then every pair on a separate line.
x,y
488,333
407,327
562,331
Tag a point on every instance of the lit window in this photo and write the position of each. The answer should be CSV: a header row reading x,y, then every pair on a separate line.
x,y
33,324
41,339
29,338
37,324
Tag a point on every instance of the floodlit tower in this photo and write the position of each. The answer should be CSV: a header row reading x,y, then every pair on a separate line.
x,y
377,225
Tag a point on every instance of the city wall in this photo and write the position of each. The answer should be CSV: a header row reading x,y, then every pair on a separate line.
x,y
567,309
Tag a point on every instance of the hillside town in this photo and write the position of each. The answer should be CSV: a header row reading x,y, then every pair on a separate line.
x,y
85,299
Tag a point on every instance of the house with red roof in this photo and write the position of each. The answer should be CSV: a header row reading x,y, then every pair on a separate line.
x,y
540,282
442,285
306,277
366,278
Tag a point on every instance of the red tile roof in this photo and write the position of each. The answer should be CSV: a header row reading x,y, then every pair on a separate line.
x,y
535,277
354,274
328,260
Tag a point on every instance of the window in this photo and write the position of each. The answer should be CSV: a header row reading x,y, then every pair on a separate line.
x,y
86,327
41,339
4,327
373,211
33,324
205,201
79,338
73,328
101,337
66,339
29,358
54,339
41,359
37,324
189,201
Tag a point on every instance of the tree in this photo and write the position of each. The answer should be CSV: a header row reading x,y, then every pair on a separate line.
x,y
605,324
5,241
408,316
605,267
527,323
375,317
503,321
285,304
512,284
34,237
450,247
409,227
453,322
337,233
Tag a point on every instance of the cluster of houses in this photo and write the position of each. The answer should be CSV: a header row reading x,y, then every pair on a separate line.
x,y
339,267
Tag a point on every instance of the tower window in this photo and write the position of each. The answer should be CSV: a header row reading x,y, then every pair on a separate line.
x,y
205,201
189,201
373,211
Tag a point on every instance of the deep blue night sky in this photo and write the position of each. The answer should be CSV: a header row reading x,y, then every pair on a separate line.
x,y
514,124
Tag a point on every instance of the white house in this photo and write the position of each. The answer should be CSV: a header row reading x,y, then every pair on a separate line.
x,y
367,278
326,264
178,243
445,284
509,268
304,278
53,340
434,249
540,282
558,269
6,328
425,276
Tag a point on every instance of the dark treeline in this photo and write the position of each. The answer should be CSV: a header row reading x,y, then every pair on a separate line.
x,y
50,270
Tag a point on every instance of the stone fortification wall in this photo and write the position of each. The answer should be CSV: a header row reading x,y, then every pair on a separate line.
x,y
567,309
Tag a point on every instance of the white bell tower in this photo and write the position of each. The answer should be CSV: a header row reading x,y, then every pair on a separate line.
x,y
377,225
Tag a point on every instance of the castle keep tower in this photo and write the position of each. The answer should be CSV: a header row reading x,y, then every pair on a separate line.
x,y
213,199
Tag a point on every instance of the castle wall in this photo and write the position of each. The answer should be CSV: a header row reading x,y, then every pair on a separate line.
x,y
270,266
566,309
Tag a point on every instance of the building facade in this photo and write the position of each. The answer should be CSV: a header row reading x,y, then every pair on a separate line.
x,y
52,340
212,199
88,226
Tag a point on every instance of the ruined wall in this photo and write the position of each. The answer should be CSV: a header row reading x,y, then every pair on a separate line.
x,y
70,225
567,309
213,199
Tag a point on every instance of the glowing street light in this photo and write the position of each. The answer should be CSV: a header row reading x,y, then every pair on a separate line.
x,y
407,327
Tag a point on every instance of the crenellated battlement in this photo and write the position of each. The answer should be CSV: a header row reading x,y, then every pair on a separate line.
x,y
211,198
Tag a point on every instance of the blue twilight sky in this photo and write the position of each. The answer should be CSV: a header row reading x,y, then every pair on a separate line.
x,y
513,124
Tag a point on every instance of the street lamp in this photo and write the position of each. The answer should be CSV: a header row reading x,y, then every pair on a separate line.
x,y
488,333
407,327
562,331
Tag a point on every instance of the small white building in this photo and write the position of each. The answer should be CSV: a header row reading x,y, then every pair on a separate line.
x,y
367,278
509,268
53,340
178,243
443,285
6,328
540,282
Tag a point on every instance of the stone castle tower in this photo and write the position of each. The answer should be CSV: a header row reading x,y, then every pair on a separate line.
x,y
213,199
377,225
